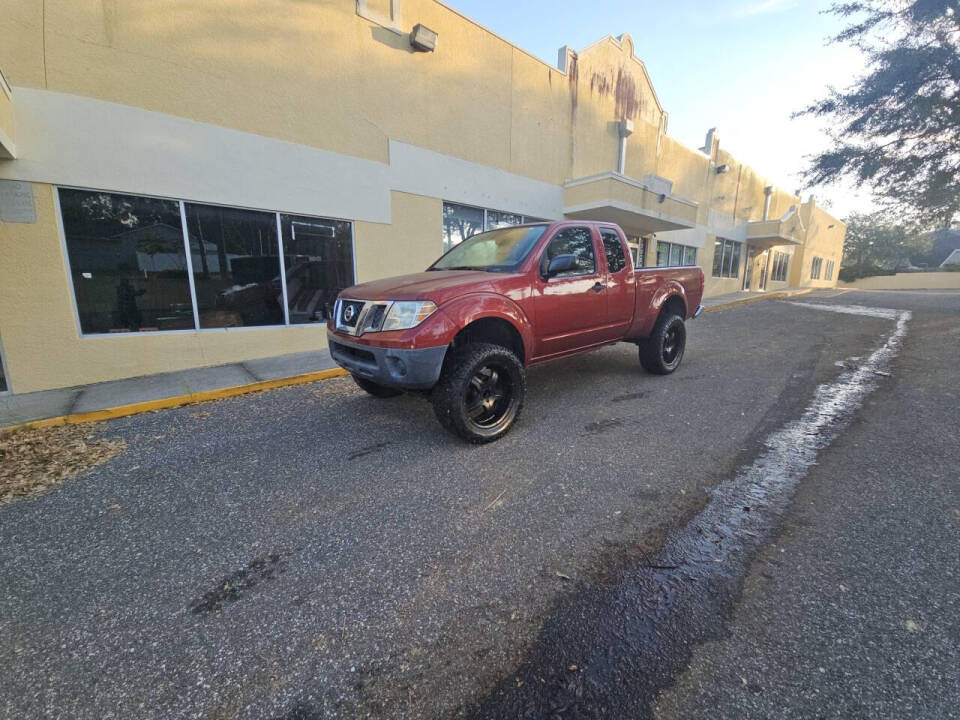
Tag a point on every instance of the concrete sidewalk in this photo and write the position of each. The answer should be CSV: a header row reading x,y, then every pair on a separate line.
x,y
102,401
186,386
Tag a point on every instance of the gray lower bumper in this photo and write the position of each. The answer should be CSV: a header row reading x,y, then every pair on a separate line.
x,y
407,369
698,313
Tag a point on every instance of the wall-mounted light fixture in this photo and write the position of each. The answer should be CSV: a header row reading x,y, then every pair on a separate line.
x,y
721,169
423,38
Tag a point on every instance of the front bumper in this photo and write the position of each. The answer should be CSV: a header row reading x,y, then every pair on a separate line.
x,y
698,312
393,367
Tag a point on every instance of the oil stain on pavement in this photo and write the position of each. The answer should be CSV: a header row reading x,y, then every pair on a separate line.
x,y
239,583
607,652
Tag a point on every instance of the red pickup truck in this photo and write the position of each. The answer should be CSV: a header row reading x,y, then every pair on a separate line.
x,y
465,329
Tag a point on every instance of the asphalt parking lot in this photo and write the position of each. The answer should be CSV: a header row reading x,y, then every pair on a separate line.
x,y
313,552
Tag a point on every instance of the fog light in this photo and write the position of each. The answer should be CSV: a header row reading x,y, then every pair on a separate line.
x,y
397,366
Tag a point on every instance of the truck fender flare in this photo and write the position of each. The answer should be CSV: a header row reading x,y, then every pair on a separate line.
x,y
477,306
671,289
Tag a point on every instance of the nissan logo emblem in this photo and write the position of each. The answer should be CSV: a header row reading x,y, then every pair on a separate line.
x,y
349,312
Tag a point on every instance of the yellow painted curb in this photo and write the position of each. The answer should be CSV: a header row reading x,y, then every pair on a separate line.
x,y
179,400
761,296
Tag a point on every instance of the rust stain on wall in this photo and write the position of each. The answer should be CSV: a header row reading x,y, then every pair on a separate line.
x,y
573,75
627,96
600,83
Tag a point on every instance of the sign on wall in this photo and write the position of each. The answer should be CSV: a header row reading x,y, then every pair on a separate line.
x,y
16,202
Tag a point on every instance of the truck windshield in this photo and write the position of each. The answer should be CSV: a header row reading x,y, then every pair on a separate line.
x,y
501,250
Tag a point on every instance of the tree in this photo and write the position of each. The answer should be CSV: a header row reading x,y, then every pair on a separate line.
x,y
876,241
897,128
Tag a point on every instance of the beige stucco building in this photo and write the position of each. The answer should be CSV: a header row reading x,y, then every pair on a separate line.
x,y
186,184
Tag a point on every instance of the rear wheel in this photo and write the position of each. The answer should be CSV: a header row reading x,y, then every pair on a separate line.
x,y
376,389
480,392
662,352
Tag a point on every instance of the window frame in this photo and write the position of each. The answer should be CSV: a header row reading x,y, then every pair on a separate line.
x,y
816,267
682,249
4,373
726,258
181,203
781,264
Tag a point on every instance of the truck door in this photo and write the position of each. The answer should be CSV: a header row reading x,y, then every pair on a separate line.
x,y
621,286
571,308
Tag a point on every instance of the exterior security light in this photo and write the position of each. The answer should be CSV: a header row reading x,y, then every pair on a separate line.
x,y
721,169
423,38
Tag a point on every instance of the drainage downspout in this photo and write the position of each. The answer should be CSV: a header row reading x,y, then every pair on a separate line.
x,y
768,193
626,130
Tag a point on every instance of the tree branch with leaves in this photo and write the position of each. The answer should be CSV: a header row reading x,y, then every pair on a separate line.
x,y
896,130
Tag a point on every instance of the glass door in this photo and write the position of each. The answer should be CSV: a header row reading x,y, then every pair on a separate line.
x,y
764,261
748,271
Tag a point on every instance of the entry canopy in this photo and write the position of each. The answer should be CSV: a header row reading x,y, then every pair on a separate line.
x,y
788,230
638,206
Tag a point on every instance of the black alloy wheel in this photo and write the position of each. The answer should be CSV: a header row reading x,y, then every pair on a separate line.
x,y
662,352
480,392
673,343
489,395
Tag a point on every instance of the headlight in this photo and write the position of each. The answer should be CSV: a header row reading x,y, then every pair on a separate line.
x,y
404,315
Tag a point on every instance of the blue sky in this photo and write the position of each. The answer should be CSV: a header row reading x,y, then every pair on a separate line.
x,y
740,65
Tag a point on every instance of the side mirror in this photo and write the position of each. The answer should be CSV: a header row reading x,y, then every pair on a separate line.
x,y
561,263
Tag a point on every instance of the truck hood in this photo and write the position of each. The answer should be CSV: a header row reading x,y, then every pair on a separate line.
x,y
436,285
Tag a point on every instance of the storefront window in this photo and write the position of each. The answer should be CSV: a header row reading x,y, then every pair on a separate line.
x,y
497,219
726,258
318,258
236,266
673,255
663,254
463,221
459,223
127,262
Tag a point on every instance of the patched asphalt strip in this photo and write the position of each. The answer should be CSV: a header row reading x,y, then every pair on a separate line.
x,y
608,652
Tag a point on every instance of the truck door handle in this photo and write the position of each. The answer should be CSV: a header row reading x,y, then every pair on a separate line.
x,y
598,287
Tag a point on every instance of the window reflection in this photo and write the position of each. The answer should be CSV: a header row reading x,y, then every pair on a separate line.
x,y
127,261
575,241
236,266
318,257
459,223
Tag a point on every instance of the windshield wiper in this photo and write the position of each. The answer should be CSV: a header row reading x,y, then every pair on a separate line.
x,y
462,267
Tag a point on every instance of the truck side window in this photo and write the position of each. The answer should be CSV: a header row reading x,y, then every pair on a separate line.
x,y
572,241
613,249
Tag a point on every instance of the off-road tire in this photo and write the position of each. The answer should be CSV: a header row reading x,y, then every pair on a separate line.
x,y
662,352
376,389
460,393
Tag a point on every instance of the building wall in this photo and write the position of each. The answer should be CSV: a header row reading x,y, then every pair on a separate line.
x,y
824,238
908,281
310,108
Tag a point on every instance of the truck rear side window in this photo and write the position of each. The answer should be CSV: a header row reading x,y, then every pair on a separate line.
x,y
613,249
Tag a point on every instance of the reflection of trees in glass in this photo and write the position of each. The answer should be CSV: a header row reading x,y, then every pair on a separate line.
x,y
577,242
460,222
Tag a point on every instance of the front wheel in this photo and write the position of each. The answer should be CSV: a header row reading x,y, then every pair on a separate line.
x,y
662,352
376,389
480,392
